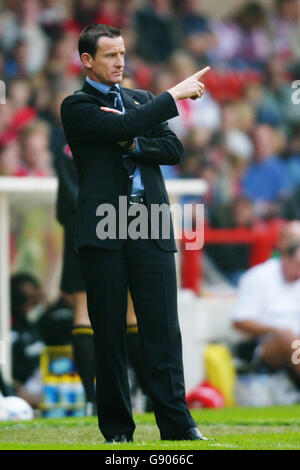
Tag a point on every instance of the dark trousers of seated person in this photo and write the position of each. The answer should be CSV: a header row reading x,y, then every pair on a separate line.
x,y
150,274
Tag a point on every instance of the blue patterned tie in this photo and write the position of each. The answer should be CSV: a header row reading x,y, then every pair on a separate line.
x,y
115,97
128,161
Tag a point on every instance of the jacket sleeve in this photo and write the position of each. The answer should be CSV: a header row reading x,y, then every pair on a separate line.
x,y
83,120
162,148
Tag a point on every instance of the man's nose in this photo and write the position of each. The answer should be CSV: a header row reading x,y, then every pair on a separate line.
x,y
120,61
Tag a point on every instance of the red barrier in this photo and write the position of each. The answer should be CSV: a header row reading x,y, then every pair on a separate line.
x,y
262,238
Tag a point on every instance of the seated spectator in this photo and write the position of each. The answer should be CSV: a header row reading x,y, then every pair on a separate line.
x,y
267,108
268,307
85,12
242,38
227,36
16,114
157,31
265,181
25,42
52,17
27,344
245,116
36,154
277,105
196,28
255,46
10,162
238,115
15,60
63,59
19,93
284,28
113,12
236,151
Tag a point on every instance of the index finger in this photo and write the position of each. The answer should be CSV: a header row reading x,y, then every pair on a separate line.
x,y
201,72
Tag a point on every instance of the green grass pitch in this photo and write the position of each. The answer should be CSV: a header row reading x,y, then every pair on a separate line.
x,y
276,428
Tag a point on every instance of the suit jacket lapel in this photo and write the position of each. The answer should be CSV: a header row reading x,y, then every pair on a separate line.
x,y
103,99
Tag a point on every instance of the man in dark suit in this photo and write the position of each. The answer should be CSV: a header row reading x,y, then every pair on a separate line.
x,y
118,139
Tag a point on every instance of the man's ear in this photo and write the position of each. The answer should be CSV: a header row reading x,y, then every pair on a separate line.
x,y
87,60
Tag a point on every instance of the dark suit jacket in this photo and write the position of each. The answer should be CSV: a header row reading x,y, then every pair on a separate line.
x,y
67,195
93,135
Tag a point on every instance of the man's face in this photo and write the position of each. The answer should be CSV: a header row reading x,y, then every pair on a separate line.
x,y
263,139
291,266
108,64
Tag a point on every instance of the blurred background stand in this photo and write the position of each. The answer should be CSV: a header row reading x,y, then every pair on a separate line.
x,y
21,191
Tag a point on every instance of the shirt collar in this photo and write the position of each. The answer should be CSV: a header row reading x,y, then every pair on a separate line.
x,y
102,87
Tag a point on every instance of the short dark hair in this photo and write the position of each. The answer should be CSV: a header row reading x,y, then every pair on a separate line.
x,y
18,296
88,40
23,277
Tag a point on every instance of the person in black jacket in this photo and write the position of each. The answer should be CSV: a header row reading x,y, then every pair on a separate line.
x,y
118,138
26,338
72,282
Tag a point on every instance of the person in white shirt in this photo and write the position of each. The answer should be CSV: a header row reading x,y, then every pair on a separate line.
x,y
268,306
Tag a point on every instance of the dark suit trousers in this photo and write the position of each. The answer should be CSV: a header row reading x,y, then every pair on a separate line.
x,y
150,274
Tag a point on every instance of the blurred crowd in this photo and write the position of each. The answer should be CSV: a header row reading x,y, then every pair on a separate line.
x,y
243,137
